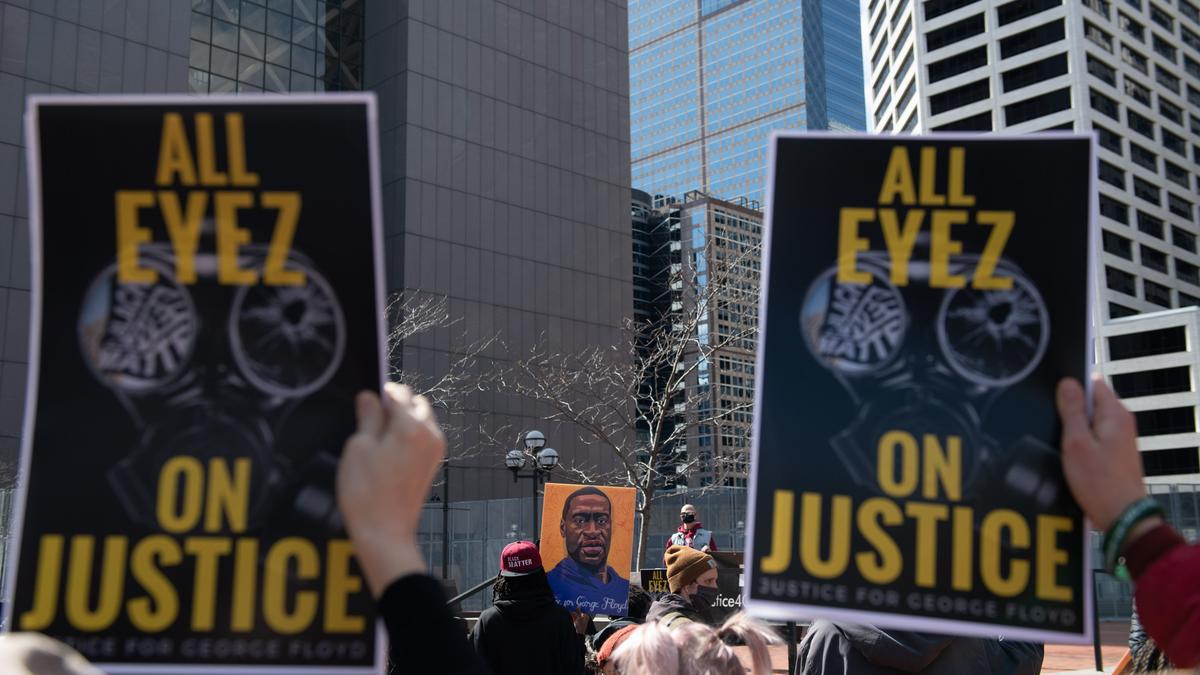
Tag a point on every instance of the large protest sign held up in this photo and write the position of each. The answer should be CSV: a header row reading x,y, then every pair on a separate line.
x,y
587,546
209,293
922,297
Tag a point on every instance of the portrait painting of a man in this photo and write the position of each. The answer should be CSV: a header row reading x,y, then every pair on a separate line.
x,y
582,526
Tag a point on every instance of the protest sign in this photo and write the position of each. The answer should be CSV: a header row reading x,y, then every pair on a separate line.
x,y
587,546
207,302
921,299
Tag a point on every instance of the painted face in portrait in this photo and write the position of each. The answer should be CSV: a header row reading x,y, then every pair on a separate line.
x,y
587,530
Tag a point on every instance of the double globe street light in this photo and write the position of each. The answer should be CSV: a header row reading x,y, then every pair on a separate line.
x,y
544,461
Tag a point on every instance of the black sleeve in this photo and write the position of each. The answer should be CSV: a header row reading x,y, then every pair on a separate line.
x,y
423,636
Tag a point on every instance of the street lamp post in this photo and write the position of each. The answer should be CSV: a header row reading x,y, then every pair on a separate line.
x,y
544,461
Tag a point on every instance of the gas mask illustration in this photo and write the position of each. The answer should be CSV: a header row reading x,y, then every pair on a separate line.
x,y
211,370
916,357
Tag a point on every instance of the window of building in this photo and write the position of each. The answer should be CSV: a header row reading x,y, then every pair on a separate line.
x,y
910,123
1153,382
881,80
1186,271
1113,209
902,70
878,55
1098,36
980,122
1120,281
1112,175
1193,96
1166,421
882,108
1135,59
1196,154
1156,293
1183,239
959,96
1037,71
903,39
1101,7
1147,191
1102,70
1137,91
1177,175
1116,244
955,32
1136,4
878,23
1131,27
1175,143
1166,79
1170,111
1192,66
936,8
1148,343
1104,104
1179,206
1038,106
958,64
1172,462
1189,38
1019,9
1143,157
1139,123
1116,311
1194,124
1033,38
1190,11
909,91
1162,18
1164,49
1108,140
1151,225
1186,300
1154,259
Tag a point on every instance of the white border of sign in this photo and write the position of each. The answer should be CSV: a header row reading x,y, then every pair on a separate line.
x,y
787,611
33,103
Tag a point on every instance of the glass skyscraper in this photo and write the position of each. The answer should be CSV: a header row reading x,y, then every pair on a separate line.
x,y
710,79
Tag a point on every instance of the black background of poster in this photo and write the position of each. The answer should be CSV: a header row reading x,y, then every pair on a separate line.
x,y
802,406
88,153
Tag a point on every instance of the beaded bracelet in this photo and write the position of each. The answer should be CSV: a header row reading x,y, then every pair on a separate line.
x,y
1133,514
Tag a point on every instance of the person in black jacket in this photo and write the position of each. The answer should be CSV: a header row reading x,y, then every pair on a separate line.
x,y
850,649
525,631
384,474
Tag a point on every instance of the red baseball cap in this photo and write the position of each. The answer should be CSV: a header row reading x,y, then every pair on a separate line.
x,y
520,558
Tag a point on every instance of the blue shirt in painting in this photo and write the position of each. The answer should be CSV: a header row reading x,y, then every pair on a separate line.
x,y
579,588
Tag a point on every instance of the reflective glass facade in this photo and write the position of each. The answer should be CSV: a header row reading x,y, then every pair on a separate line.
x,y
275,45
710,79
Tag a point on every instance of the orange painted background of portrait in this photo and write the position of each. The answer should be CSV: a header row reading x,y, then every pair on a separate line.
x,y
620,549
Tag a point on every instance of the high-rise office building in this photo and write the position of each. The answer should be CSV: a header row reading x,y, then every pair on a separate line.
x,y
504,159
696,267
710,79
1128,70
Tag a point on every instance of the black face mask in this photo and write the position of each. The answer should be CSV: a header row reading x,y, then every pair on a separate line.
x,y
687,517
704,597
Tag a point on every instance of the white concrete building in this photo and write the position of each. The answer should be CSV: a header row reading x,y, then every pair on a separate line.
x,y
1152,362
1128,70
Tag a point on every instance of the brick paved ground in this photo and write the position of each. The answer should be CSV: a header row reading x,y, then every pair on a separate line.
x,y
1114,637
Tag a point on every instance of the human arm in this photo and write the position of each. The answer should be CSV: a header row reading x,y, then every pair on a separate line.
x,y
383,476
1104,472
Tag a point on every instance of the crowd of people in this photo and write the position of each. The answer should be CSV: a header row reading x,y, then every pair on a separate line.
x,y
401,437
387,468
